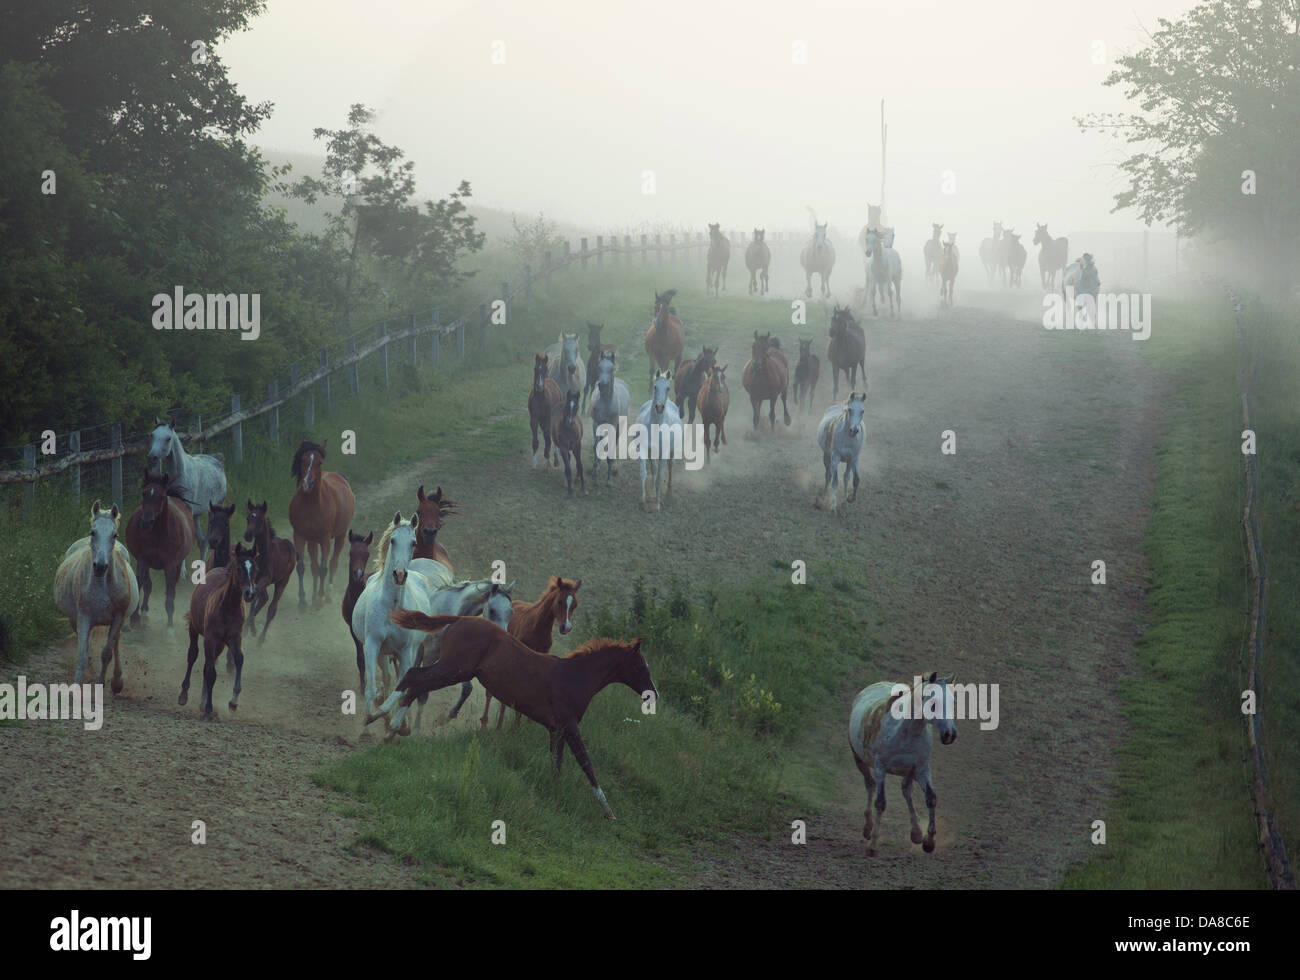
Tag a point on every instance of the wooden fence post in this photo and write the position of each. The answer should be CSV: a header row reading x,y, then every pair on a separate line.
x,y
115,441
528,281
583,242
600,250
383,351
482,326
29,492
74,446
353,381
505,299
237,433
272,396
547,258
460,338
566,252
645,256
325,382
436,333
627,250
672,249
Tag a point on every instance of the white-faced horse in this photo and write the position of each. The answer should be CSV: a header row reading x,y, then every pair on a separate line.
x,y
841,434
94,586
886,270
663,432
891,739
566,365
608,405
200,479
396,585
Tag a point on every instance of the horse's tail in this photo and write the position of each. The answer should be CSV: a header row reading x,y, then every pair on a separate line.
x,y
413,619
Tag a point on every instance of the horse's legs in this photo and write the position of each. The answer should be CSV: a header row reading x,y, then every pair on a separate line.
x,y
370,653
577,464
532,423
669,494
334,558
211,650
111,650
826,490
722,430
771,414
580,753
270,612
300,547
557,748
237,644
757,408
854,463
931,801
871,791
361,663
487,707
878,777
785,408
911,809
145,582
568,472
465,690
192,655
321,550
171,575
706,441
83,642
835,482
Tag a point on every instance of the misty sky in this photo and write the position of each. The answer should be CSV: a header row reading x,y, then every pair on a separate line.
x,y
705,94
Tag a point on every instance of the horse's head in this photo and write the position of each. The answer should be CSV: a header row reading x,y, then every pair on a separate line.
x,y
541,370
945,725
219,526
719,376
358,556
997,229
103,537
499,607
160,442
715,231
663,380
243,571
307,464
1087,260
760,348
935,229
760,234
569,357
563,594
805,349
661,304
153,498
255,519
605,373
401,547
854,408
1040,234
819,233
634,671
593,335
1015,239
708,357
572,402
873,239
431,510
840,317
952,238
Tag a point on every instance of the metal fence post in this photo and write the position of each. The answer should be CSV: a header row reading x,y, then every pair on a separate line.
x,y
272,396
115,440
74,446
353,381
237,433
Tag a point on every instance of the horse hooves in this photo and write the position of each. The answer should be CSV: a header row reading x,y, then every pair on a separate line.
x,y
608,815
117,685
233,705
928,846
871,852
917,836
183,698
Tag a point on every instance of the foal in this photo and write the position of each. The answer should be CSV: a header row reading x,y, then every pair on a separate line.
x,y
566,433
543,399
217,614
274,560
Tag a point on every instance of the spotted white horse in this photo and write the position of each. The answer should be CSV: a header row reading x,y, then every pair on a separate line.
x,y
841,434
889,732
202,478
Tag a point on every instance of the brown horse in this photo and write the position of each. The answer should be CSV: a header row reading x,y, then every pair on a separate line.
x,y
552,691
666,338
595,350
806,372
847,350
217,614
757,259
532,623
718,259
274,562
358,559
566,433
767,377
320,512
159,534
544,398
715,399
432,509
689,377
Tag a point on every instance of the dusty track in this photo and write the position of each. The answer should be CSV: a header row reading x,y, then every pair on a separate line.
x,y
977,564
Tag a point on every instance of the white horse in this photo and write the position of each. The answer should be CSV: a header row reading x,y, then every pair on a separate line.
x,y
841,434
884,743
94,586
659,444
397,585
566,366
885,268
202,478
609,404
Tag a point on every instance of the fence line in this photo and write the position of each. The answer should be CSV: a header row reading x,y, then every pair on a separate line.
x,y
1276,864
356,353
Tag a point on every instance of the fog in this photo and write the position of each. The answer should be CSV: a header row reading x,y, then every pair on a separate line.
x,y
592,94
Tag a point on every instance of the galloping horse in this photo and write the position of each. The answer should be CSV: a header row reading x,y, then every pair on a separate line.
x,y
93,587
1016,256
159,534
320,512
594,352
553,691
818,256
217,614
666,338
1053,255
432,509
567,369
806,372
358,559
274,560
200,479
661,443
218,555
531,623
766,377
875,219
989,250
757,259
714,399
841,435
884,744
689,377
719,258
932,249
607,407
566,433
948,265
544,397
886,271
847,350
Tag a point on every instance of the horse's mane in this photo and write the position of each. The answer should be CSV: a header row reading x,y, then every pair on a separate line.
x,y
381,549
597,644
304,447
668,296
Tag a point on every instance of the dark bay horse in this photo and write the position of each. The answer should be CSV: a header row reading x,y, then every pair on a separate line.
x,y
553,691
806,372
718,260
274,560
566,433
320,512
594,352
666,338
217,614
1053,255
358,559
218,555
532,624
847,350
689,377
159,534
544,397
432,509
757,259
767,377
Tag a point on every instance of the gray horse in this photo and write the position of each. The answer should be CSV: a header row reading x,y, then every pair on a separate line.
x,y
200,479
886,270
818,256
608,404
567,369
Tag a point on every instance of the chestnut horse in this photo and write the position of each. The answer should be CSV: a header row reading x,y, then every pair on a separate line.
x,y
847,350
358,559
274,562
767,377
432,509
320,512
689,377
552,691
718,259
532,623
159,534
217,614
714,399
666,338
566,433
544,398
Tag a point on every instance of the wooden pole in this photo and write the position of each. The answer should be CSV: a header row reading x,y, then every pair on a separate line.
x,y
115,441
74,446
237,434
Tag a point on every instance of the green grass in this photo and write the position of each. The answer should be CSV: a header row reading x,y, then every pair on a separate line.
x,y
1182,818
